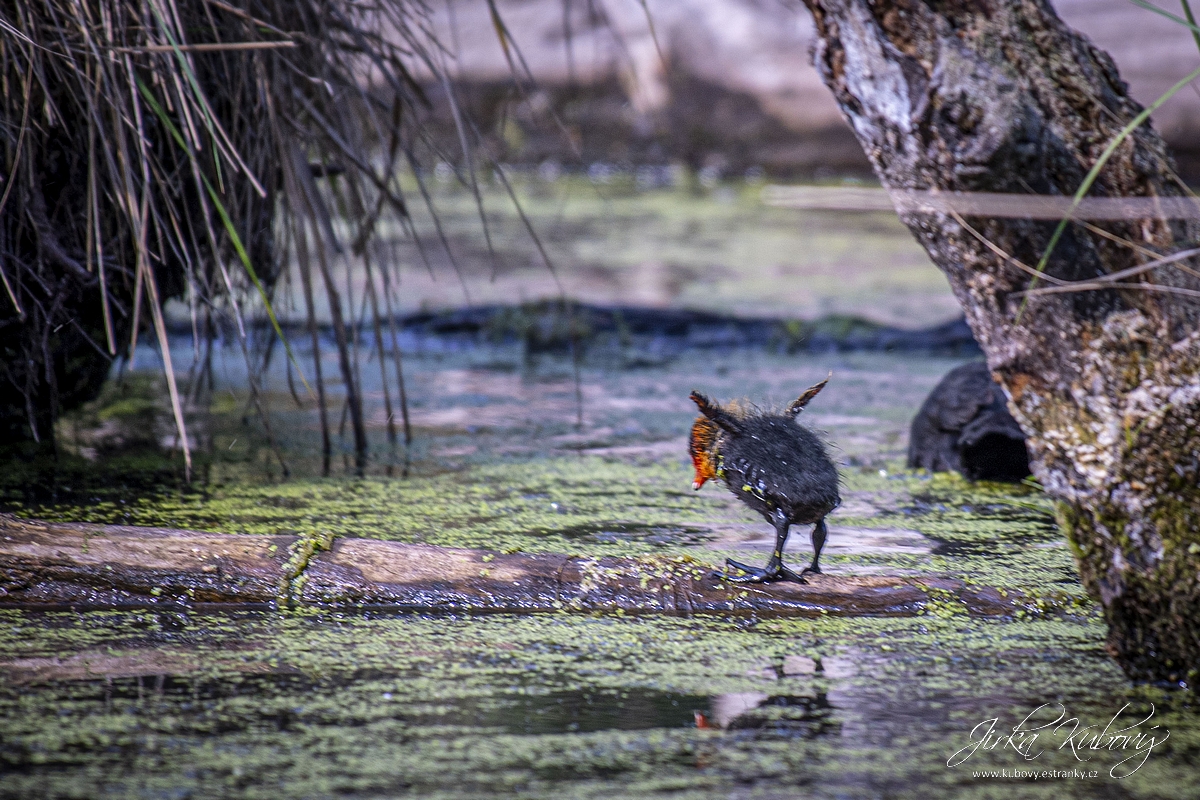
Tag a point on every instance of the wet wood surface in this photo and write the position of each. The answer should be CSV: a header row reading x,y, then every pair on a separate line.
x,y
55,565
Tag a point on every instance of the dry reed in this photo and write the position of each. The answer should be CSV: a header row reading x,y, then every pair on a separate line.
x,y
189,149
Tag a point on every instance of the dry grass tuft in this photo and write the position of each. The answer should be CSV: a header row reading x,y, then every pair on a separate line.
x,y
191,148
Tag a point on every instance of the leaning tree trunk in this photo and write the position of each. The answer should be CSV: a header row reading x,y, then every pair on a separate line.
x,y
1001,96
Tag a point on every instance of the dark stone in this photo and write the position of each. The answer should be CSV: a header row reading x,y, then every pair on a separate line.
x,y
964,426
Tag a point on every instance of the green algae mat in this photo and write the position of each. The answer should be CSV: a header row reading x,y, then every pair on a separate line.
x,y
173,703
323,705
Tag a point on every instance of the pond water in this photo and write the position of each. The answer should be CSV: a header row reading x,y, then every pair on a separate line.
x,y
542,453
138,704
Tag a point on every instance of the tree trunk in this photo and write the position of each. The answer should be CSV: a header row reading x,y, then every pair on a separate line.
x,y
1000,96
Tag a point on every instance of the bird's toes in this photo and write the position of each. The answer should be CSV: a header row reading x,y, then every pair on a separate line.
x,y
747,574
737,572
740,567
785,574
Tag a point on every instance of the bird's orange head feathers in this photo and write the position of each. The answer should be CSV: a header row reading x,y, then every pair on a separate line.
x,y
703,449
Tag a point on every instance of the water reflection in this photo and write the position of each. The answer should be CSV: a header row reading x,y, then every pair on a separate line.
x,y
779,715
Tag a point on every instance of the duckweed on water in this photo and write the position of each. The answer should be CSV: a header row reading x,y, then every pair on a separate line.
x,y
588,505
318,705
174,703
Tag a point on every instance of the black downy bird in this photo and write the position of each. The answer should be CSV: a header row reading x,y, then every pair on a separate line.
x,y
773,465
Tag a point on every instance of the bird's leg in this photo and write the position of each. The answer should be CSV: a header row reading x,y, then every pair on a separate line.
x,y
819,534
775,570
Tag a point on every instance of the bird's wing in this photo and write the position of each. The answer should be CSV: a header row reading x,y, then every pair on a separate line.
x,y
800,402
723,419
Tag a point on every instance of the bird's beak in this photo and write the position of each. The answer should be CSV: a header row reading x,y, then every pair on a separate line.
x,y
696,484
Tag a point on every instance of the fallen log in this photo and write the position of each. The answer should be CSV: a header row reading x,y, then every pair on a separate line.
x,y
109,566
114,566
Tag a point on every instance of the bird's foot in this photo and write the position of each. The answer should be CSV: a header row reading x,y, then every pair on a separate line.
x,y
747,574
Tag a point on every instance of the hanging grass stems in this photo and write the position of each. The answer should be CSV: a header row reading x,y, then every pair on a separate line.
x,y
176,148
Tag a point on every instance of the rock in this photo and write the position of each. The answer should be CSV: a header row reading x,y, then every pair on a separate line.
x,y
799,665
964,426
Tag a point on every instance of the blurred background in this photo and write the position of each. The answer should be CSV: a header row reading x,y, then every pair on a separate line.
x,y
645,141
682,165
598,196
725,86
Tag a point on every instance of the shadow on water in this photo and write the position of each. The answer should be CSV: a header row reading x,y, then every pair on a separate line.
x,y
135,704
209,705
1016,526
183,704
586,711
517,710
642,709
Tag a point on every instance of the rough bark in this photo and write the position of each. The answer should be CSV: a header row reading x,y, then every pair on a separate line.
x,y
110,566
1000,96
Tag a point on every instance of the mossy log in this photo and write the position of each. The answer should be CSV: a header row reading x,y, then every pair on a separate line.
x,y
1002,97
108,566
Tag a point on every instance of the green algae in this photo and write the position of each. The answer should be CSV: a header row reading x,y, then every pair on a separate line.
x,y
990,536
587,505
318,705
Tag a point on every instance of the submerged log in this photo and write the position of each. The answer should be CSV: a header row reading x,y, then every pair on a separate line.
x,y
1103,373
104,566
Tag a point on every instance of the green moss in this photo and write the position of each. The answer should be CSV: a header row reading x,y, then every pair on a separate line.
x,y
1152,610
